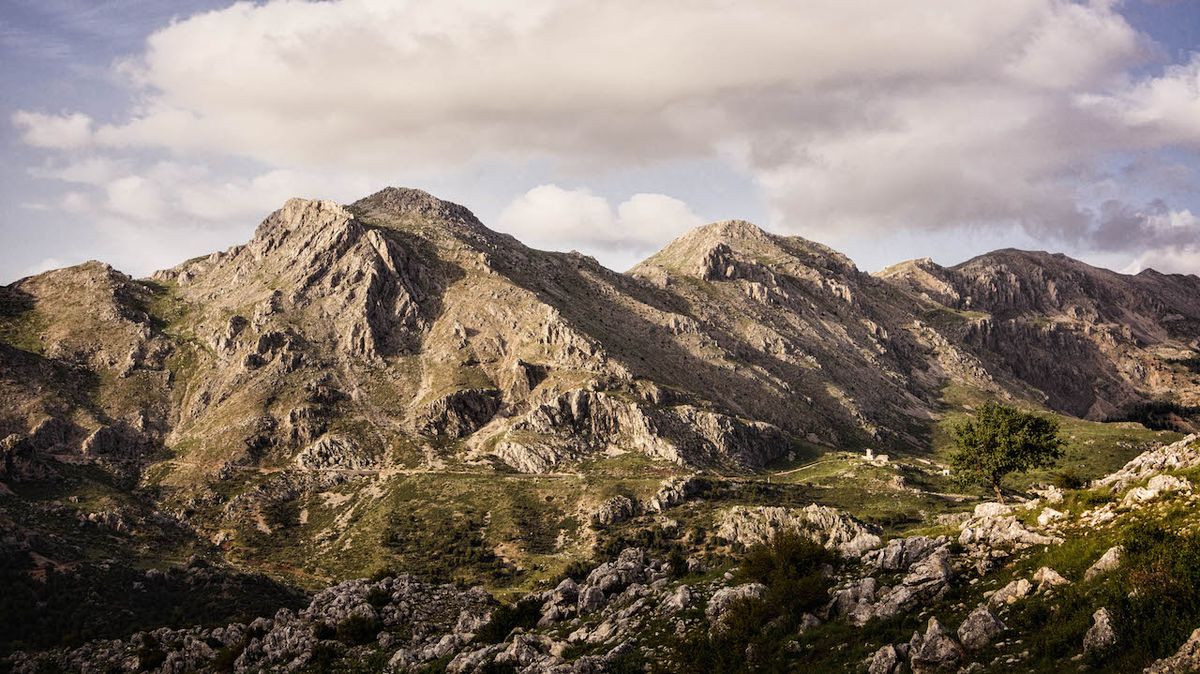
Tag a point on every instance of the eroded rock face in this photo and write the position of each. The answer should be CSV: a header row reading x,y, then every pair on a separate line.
x,y
926,580
827,526
888,659
901,553
23,457
458,414
1003,531
675,491
581,422
439,619
979,629
1175,456
1100,636
1085,336
335,452
1158,486
614,510
720,602
935,650
120,442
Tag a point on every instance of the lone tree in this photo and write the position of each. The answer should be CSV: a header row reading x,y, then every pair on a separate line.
x,y
1002,440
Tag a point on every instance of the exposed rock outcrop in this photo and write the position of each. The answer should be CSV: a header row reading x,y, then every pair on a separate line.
x,y
827,526
335,452
1100,636
614,511
1176,456
459,413
979,629
1110,560
935,650
1186,659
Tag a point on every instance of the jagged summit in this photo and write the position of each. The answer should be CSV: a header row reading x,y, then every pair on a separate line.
x,y
719,249
729,231
411,202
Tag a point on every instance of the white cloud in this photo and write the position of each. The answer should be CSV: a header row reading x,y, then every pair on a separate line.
x,y
1164,109
77,203
855,118
1181,260
553,217
92,170
135,197
54,131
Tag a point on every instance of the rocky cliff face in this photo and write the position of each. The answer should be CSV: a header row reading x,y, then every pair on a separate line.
x,y
1096,343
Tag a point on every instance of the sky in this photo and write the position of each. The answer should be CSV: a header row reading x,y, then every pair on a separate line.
x,y
146,132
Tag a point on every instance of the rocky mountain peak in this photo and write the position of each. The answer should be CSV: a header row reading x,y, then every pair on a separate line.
x,y
924,278
361,388
408,204
312,220
710,251
731,232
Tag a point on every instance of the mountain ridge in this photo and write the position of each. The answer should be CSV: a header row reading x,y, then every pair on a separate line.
x,y
371,281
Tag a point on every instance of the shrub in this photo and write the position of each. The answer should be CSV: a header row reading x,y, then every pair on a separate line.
x,y
678,562
378,597
381,573
1069,479
150,657
324,631
324,656
358,630
1162,577
1154,597
752,633
1160,415
226,658
578,569
506,618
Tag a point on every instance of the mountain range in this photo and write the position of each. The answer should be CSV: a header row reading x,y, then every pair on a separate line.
x,y
400,331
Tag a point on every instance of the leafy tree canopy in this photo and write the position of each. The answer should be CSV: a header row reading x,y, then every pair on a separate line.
x,y
1002,440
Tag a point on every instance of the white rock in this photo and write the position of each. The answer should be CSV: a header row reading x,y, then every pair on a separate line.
x,y
1012,593
1100,636
979,628
725,597
830,527
1047,578
1049,515
1107,562
992,509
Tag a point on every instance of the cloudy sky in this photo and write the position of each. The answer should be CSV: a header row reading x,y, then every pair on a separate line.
x,y
145,132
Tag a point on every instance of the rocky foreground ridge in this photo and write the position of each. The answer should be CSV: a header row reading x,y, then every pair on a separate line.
x,y
970,590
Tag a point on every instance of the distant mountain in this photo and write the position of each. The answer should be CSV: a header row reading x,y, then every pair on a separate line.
x,y
1096,343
